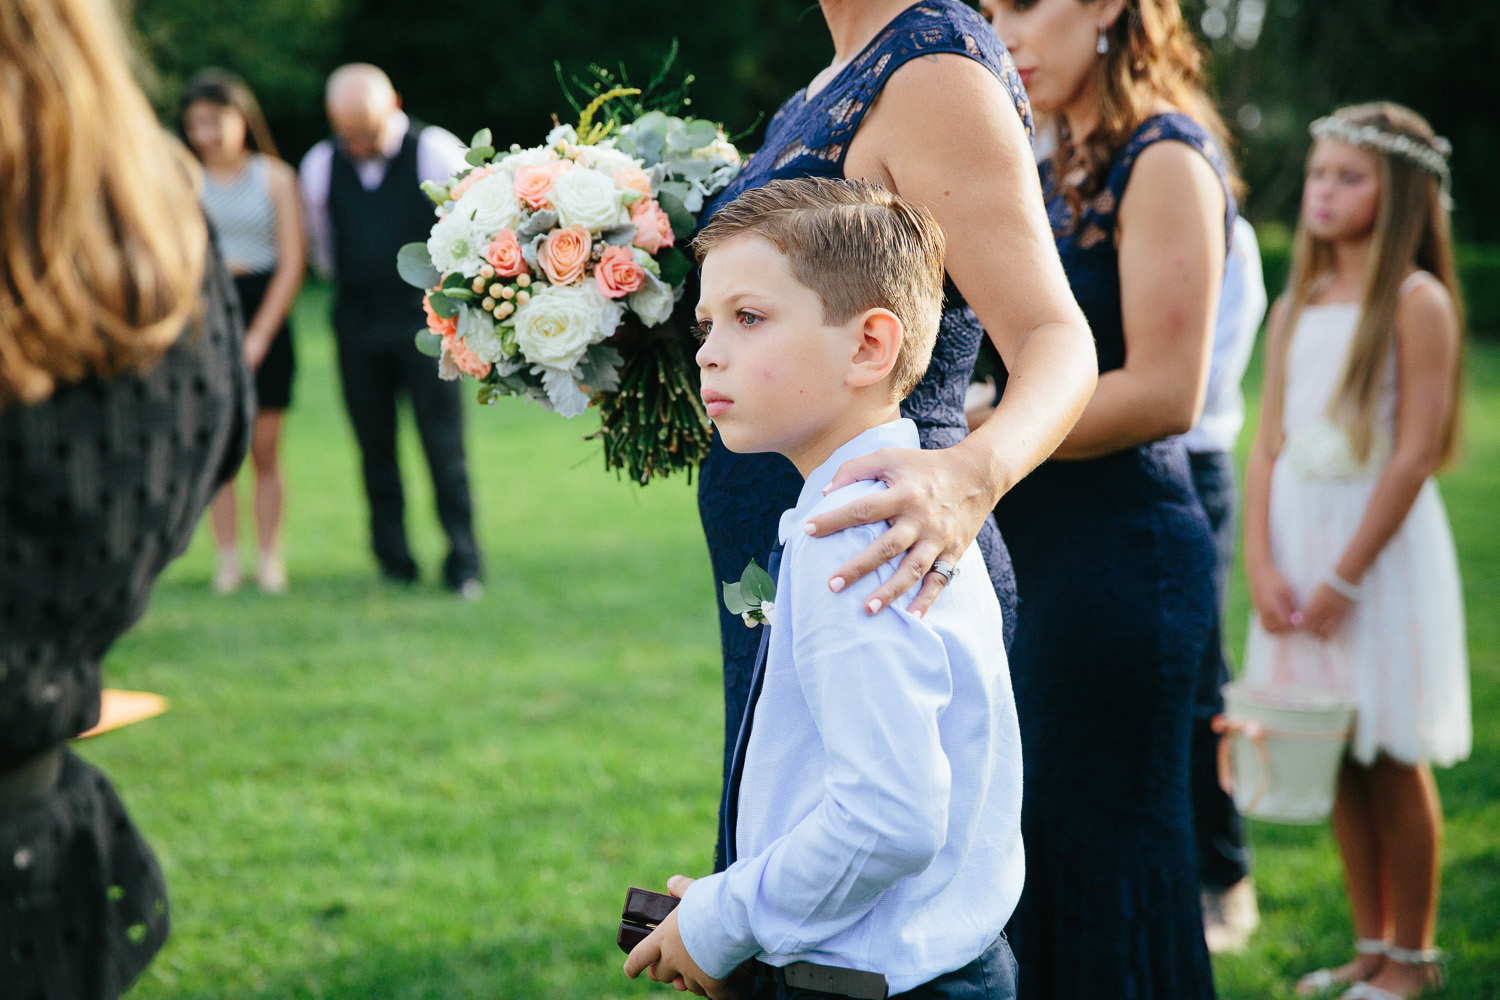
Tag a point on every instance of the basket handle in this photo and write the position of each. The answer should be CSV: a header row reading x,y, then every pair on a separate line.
x,y
1253,731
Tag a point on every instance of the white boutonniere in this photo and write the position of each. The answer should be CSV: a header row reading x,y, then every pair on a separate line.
x,y
753,598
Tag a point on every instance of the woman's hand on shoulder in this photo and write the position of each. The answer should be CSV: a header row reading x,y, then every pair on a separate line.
x,y
935,510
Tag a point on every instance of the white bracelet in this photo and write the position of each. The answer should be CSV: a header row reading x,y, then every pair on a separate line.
x,y
1336,583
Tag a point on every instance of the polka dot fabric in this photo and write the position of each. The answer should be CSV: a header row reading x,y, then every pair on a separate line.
x,y
100,487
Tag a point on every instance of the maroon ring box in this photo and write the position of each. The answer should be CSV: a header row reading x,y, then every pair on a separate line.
x,y
644,909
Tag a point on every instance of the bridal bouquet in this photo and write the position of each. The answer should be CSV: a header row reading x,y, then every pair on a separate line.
x,y
552,273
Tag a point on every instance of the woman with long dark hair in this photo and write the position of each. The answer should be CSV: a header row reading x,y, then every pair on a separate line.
x,y
1113,552
250,195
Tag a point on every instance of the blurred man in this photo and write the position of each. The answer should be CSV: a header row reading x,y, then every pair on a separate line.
x,y
363,201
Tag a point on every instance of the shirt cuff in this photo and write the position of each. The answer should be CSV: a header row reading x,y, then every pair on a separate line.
x,y
717,949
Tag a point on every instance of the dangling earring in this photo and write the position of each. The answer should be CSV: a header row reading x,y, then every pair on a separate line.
x,y
1103,45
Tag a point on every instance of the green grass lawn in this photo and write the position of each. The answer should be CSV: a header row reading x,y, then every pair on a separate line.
x,y
369,792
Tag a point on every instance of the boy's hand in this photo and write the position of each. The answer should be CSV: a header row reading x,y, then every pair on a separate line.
x,y
665,955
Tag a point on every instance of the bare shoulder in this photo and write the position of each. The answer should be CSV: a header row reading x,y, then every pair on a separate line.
x,y
1166,171
1427,315
281,173
942,85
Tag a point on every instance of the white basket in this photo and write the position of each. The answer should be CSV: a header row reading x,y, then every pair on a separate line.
x,y
1280,751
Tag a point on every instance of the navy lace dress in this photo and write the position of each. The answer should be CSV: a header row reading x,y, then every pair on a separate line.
x,y
1114,558
741,497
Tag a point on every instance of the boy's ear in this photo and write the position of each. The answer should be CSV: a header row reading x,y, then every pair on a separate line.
x,y
879,345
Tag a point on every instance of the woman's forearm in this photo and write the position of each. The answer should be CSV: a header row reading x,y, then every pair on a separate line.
x,y
1392,500
1050,381
1127,411
1258,507
281,292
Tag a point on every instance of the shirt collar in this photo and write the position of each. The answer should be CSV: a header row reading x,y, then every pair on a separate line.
x,y
899,433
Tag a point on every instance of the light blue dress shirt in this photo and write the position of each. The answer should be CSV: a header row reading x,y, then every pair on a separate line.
x,y
1242,305
880,809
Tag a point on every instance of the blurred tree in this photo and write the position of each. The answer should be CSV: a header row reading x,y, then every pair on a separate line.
x,y
1278,64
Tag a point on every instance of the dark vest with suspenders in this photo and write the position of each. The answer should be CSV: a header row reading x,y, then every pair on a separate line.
x,y
368,228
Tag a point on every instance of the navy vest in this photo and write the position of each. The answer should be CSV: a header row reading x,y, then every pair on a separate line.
x,y
369,227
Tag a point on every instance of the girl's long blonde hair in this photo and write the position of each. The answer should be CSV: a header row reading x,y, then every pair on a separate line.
x,y
100,226
1411,230
1153,56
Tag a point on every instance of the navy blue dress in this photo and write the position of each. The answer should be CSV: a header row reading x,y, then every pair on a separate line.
x,y
741,497
1115,559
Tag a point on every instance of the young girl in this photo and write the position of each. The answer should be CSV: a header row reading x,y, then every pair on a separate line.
x,y
1351,562
250,196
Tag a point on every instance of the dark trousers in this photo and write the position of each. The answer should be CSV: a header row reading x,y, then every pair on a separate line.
x,y
991,976
1223,856
376,365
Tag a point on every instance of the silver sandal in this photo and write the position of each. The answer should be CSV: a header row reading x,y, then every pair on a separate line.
x,y
1432,958
1325,981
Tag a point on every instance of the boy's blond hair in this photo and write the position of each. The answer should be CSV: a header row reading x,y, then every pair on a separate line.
x,y
858,246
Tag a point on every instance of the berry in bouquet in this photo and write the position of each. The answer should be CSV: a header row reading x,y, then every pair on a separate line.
x,y
552,272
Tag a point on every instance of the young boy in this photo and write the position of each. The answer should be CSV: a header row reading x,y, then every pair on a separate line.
x,y
874,840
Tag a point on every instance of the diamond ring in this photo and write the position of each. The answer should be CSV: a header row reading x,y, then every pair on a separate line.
x,y
944,569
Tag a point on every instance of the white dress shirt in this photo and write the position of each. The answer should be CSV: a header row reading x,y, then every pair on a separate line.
x,y
440,155
879,821
1242,305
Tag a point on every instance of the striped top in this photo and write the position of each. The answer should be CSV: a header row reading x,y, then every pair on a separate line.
x,y
244,217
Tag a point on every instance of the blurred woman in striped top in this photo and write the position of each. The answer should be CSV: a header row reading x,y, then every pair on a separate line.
x,y
250,197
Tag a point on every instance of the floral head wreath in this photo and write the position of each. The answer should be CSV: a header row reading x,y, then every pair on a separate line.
x,y
1429,156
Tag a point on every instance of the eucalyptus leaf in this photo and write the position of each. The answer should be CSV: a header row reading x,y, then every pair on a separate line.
x,y
693,170
414,264
756,585
700,132
429,343
481,138
734,602
455,280
478,156
683,221
442,306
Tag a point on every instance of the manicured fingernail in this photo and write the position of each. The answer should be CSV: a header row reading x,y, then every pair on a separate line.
x,y
1296,618
836,584
918,614
810,528
827,488
874,605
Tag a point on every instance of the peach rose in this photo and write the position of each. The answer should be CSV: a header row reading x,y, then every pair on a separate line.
x,y
504,254
653,230
534,183
442,327
467,361
633,179
470,179
617,273
565,253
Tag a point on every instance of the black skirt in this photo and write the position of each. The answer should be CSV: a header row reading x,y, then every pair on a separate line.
x,y
273,380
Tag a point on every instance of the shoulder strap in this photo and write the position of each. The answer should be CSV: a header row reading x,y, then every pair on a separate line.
x,y
932,27
1173,126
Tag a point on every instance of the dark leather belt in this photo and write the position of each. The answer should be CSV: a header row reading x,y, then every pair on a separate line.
x,y
26,782
853,983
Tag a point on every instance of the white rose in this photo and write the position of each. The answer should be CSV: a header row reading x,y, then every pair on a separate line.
x,y
477,328
557,326
563,134
457,245
589,199
526,158
653,302
605,157
492,204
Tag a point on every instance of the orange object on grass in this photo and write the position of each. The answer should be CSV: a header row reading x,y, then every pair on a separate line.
x,y
124,708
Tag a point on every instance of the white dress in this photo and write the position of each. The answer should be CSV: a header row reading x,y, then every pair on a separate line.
x,y
1400,656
